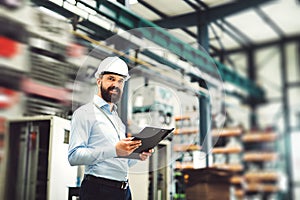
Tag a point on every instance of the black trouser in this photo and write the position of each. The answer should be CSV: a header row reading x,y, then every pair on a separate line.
x,y
93,190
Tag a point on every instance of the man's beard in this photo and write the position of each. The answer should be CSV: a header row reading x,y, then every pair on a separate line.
x,y
108,97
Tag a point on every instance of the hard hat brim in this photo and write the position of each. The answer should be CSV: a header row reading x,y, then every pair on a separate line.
x,y
106,72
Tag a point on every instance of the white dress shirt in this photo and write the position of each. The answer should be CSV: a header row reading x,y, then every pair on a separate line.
x,y
93,140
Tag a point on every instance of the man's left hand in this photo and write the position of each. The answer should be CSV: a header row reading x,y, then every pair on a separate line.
x,y
145,155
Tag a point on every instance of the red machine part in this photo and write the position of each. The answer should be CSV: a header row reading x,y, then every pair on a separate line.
x,y
8,98
8,47
31,86
76,50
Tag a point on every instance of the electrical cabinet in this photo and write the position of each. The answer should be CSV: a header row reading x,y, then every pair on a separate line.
x,y
37,159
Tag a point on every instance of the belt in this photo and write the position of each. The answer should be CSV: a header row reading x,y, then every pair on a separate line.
x,y
123,185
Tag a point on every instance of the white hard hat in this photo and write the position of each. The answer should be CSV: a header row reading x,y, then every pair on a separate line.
x,y
113,65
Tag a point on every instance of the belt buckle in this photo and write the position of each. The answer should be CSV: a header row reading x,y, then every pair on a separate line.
x,y
124,185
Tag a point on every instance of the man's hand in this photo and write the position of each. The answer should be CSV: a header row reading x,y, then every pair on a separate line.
x,y
145,155
126,146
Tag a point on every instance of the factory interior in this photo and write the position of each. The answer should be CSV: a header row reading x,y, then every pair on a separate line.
x,y
224,74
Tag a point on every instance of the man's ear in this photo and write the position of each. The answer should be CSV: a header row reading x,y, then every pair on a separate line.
x,y
99,82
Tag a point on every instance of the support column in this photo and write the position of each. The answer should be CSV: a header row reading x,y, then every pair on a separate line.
x,y
123,111
202,38
298,53
204,126
204,104
252,77
287,128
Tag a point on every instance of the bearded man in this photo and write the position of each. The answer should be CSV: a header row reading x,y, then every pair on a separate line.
x,y
98,137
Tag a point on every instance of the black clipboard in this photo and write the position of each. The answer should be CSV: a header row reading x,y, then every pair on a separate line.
x,y
150,137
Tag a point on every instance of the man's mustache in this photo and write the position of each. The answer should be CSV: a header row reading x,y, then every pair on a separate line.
x,y
114,88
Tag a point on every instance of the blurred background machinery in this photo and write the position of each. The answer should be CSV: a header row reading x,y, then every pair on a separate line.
x,y
37,155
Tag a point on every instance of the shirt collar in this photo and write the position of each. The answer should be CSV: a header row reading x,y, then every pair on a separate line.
x,y
103,104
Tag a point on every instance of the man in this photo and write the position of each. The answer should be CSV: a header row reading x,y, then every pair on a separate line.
x,y
98,137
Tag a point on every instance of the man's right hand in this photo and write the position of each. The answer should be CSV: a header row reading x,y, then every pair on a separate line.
x,y
126,146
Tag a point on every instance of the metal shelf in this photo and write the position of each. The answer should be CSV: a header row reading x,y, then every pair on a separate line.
x,y
230,167
186,147
260,156
185,131
261,176
226,132
259,137
226,150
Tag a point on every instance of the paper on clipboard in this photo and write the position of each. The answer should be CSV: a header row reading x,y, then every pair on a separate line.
x,y
150,137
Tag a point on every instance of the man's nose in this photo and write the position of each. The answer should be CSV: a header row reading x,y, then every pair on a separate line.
x,y
117,84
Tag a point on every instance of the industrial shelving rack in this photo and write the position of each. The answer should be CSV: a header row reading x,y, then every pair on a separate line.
x,y
260,158
227,154
185,140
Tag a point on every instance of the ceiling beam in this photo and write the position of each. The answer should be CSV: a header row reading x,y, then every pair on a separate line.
x,y
287,39
270,22
153,9
192,5
202,4
238,32
232,35
163,15
210,15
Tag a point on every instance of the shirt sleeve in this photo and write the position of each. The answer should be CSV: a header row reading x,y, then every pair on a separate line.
x,y
80,152
132,162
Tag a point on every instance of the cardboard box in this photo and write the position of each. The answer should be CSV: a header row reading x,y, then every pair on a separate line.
x,y
208,184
